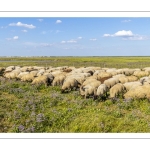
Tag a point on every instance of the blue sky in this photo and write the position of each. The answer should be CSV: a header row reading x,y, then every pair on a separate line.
x,y
76,36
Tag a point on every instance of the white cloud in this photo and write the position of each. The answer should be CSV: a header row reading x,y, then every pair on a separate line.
x,y
38,44
69,41
24,30
19,24
63,42
40,20
120,33
123,33
106,35
93,39
14,38
80,37
45,44
58,21
126,35
126,21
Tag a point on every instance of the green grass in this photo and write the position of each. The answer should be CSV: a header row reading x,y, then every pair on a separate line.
x,y
38,109
27,108
111,62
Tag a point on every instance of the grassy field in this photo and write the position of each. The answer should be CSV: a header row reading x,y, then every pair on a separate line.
x,y
38,109
111,62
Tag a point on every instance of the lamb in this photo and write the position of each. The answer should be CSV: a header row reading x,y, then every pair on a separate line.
x,y
101,91
117,89
69,84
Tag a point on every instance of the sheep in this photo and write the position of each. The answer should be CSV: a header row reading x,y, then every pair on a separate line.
x,y
58,80
28,77
130,85
103,74
111,82
10,68
89,89
69,84
127,71
140,74
144,79
117,89
43,79
123,79
11,75
87,81
2,69
100,91
40,72
140,92
132,78
21,74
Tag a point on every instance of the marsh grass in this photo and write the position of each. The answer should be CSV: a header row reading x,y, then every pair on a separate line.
x,y
25,108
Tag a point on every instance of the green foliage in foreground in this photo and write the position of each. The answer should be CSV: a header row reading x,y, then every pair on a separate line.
x,y
26,108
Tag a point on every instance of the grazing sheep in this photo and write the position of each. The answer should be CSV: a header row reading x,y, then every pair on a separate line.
x,y
130,85
140,74
58,80
117,89
43,79
69,84
132,78
9,69
2,69
88,81
21,74
89,88
111,82
28,77
127,71
11,75
123,79
139,92
101,91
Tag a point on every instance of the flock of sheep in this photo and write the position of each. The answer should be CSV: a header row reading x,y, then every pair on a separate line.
x,y
90,81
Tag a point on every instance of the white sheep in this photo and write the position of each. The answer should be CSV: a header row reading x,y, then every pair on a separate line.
x,y
69,84
101,91
117,89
